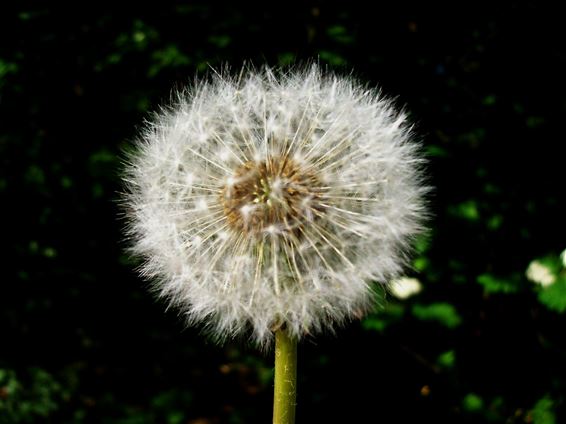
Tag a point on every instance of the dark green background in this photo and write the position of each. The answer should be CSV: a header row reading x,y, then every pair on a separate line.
x,y
82,341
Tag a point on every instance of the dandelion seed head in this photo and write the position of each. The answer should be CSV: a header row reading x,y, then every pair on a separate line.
x,y
274,198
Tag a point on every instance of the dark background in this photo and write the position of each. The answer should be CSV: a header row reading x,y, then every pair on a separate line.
x,y
81,339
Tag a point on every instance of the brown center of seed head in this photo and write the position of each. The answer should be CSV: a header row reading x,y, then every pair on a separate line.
x,y
274,195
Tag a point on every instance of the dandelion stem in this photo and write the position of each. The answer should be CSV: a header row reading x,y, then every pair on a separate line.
x,y
285,378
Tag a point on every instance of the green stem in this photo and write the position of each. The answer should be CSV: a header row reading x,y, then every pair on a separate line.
x,y
285,378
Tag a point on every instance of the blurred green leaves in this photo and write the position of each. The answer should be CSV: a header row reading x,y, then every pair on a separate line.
x,y
28,398
493,284
171,405
138,38
440,312
340,34
167,57
390,314
472,402
6,68
332,58
554,296
220,41
447,359
543,412
467,210
35,175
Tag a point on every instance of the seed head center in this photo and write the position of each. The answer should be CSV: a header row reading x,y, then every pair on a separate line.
x,y
263,190
274,195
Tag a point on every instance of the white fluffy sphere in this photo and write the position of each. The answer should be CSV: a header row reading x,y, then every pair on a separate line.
x,y
274,198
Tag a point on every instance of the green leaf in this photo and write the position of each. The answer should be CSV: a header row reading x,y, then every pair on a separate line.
x,y
553,263
286,58
437,151
421,263
340,34
166,58
447,359
492,284
494,222
380,321
489,100
220,41
7,68
472,402
374,323
35,175
66,182
535,121
467,210
332,58
543,412
554,296
443,313
102,156
422,243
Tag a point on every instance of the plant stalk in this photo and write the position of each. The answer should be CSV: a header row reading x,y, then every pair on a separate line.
x,y
285,396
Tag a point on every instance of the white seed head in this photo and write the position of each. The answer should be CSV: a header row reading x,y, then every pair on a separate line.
x,y
274,199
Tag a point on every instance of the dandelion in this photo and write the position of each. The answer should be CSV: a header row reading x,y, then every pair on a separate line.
x,y
271,202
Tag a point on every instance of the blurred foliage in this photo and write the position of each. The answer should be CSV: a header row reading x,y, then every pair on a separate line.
x,y
28,401
483,341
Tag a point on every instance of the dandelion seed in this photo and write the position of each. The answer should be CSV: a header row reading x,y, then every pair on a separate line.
x,y
274,199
